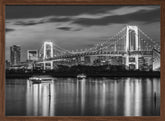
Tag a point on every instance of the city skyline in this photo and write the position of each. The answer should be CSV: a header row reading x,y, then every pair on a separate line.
x,y
74,27
82,60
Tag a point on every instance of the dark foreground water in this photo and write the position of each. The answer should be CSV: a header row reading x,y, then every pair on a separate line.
x,y
88,97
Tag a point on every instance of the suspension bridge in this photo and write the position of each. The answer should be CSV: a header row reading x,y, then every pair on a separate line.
x,y
130,43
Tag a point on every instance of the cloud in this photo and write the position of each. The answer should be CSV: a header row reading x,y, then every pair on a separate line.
x,y
36,21
23,11
59,19
64,28
77,29
39,11
141,16
9,30
100,16
117,11
29,23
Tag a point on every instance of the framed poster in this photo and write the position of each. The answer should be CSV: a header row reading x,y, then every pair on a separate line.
x,y
82,60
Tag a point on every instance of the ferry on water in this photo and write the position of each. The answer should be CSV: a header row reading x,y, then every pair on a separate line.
x,y
81,76
41,79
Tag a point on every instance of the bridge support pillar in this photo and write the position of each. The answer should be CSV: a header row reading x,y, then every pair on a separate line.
x,y
49,65
44,66
127,61
137,62
132,60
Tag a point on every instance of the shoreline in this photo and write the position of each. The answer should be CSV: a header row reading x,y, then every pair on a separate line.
x,y
146,74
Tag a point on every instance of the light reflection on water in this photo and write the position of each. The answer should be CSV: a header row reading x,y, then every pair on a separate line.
x,y
87,97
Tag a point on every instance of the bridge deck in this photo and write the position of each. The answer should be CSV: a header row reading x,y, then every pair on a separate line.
x,y
117,53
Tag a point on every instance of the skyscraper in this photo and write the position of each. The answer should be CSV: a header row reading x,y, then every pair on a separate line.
x,y
15,54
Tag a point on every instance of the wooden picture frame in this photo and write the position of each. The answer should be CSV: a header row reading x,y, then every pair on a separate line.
x,y
79,2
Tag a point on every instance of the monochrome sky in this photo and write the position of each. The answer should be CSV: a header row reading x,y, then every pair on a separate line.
x,y
74,27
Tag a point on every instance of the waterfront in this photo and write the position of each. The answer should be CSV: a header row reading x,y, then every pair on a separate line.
x,y
87,97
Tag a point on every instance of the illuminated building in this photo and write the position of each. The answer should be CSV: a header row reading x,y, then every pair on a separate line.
x,y
15,54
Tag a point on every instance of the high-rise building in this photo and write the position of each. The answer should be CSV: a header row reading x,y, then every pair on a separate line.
x,y
15,54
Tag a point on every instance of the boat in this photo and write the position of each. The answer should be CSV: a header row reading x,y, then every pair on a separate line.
x,y
81,76
41,79
35,80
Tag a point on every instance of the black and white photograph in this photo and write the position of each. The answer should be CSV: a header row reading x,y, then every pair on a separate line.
x,y
82,60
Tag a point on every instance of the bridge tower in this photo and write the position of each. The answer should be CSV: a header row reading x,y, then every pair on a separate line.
x,y
48,53
132,39
132,44
48,49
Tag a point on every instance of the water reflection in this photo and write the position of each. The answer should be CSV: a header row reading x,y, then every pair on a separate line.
x,y
133,97
82,87
86,97
40,98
